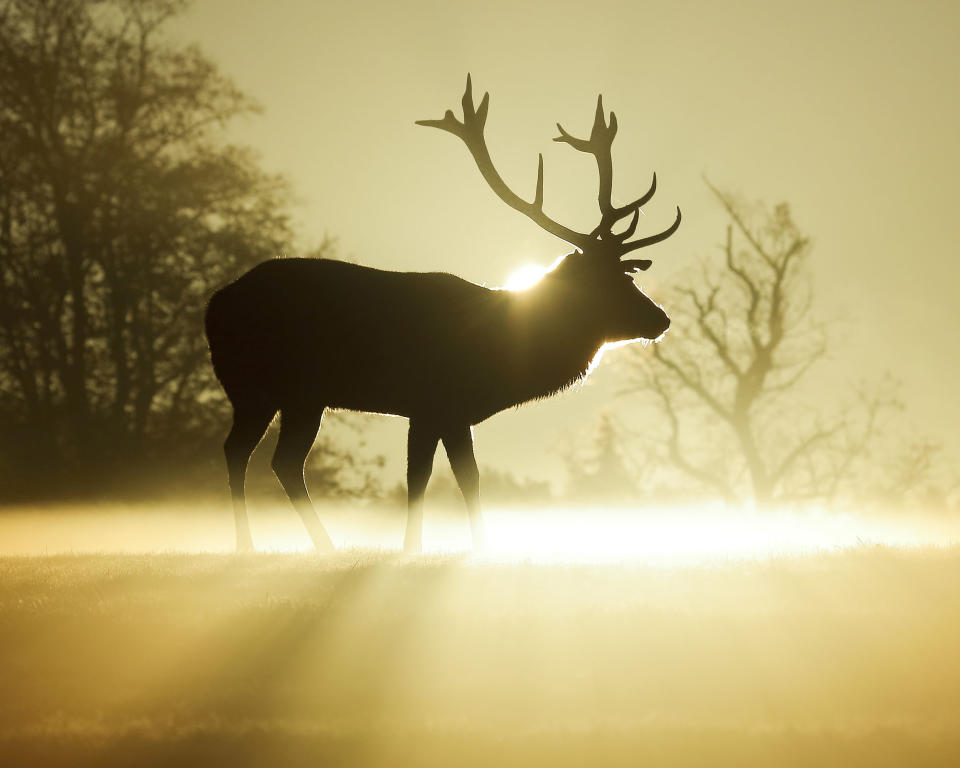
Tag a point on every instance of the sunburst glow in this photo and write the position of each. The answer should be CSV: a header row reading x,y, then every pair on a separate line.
x,y
525,277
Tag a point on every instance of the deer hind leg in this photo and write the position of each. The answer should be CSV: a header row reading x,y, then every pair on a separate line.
x,y
298,430
458,443
422,442
249,424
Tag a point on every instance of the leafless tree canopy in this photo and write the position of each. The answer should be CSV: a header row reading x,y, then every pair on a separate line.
x,y
122,206
726,379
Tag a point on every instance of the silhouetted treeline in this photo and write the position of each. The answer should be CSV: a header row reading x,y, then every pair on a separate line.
x,y
122,206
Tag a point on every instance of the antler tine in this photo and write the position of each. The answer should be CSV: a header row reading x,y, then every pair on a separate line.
x,y
644,242
470,131
637,204
628,232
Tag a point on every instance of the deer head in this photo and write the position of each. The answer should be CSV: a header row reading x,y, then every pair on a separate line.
x,y
595,278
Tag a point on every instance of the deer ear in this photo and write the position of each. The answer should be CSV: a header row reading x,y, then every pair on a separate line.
x,y
635,265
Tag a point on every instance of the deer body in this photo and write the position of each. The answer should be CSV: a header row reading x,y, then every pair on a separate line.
x,y
301,335
406,344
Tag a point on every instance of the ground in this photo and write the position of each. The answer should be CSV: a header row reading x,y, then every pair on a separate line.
x,y
366,658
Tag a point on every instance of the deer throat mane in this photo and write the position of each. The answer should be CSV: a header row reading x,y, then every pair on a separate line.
x,y
556,360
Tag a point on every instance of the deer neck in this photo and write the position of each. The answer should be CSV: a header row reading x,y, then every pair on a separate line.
x,y
553,346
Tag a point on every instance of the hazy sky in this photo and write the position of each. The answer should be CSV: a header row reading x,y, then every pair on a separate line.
x,y
847,110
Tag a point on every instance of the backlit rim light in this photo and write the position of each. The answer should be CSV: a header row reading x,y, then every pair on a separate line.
x,y
607,347
528,275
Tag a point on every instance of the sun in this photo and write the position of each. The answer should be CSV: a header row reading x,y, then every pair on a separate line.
x,y
525,277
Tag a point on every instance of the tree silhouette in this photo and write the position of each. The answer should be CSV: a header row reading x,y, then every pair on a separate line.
x,y
121,208
727,380
597,468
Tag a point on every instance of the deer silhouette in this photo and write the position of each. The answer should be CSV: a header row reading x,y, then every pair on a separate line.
x,y
299,336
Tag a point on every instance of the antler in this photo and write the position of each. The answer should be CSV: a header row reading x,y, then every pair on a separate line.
x,y
470,131
599,145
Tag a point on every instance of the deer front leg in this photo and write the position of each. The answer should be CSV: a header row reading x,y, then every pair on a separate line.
x,y
422,442
459,446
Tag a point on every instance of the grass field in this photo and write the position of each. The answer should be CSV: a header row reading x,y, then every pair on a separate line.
x,y
371,659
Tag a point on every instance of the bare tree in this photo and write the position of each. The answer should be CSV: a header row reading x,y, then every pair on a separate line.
x,y
599,468
726,379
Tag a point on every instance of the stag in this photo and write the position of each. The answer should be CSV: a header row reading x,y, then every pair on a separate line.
x,y
299,336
